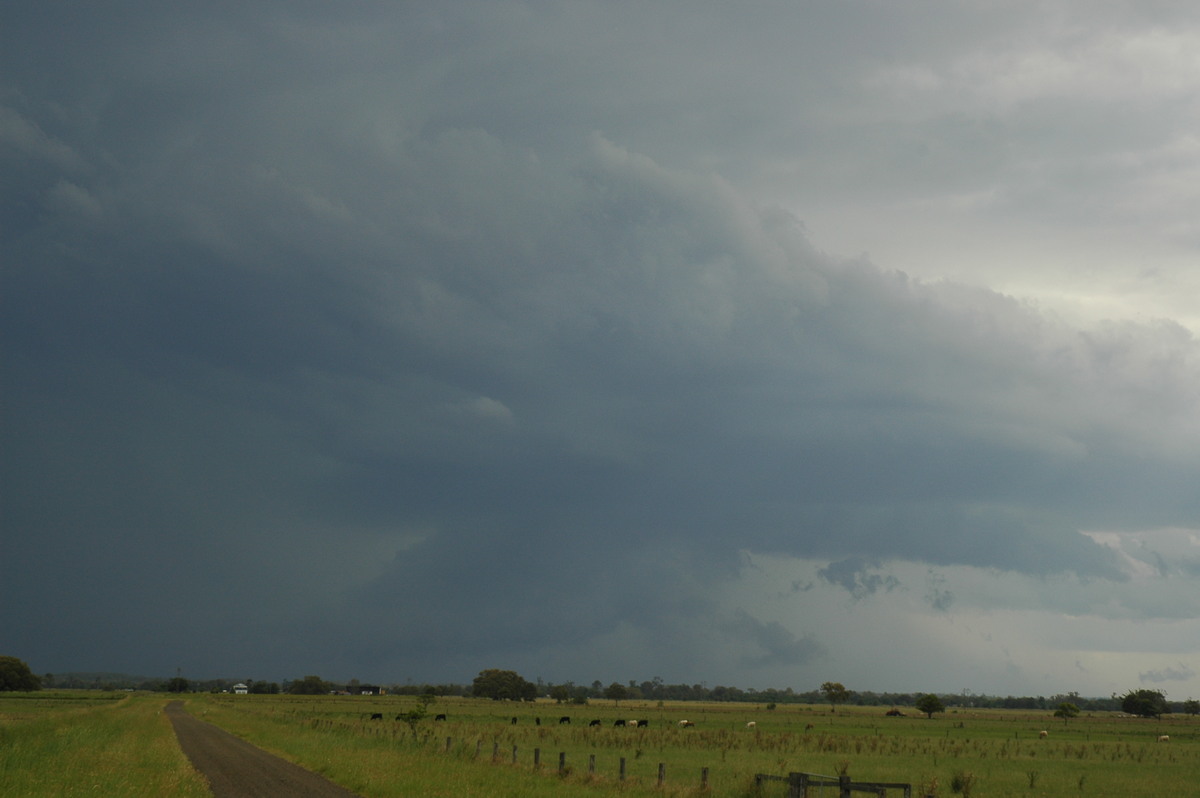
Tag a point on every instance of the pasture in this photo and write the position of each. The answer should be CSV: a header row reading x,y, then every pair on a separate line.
x,y
64,743
478,750
70,743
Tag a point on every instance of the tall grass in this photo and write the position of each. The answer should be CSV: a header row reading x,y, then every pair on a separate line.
x,y
381,760
64,747
987,754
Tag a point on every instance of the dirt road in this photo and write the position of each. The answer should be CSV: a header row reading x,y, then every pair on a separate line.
x,y
236,769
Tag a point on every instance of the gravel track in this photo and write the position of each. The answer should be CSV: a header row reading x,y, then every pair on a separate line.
x,y
236,769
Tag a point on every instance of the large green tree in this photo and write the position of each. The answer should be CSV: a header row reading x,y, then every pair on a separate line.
x,y
1144,703
15,675
835,693
929,704
1066,711
616,692
310,685
502,685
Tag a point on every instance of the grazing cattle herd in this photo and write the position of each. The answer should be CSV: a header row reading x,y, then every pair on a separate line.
x,y
565,720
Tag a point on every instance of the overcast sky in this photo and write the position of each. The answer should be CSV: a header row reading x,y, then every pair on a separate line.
x,y
757,345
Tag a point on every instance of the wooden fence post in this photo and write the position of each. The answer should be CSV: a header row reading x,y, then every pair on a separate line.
x,y
514,755
537,758
622,769
591,764
495,750
843,786
662,773
703,778
478,747
562,762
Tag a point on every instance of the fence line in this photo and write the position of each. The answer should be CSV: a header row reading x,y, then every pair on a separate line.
x,y
563,770
799,784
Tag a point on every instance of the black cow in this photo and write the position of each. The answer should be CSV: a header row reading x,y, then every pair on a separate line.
x,y
619,722
439,717
594,723
376,716
564,719
537,721
643,724
514,720
894,713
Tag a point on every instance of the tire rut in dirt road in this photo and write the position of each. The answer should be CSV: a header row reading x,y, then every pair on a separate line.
x,y
236,769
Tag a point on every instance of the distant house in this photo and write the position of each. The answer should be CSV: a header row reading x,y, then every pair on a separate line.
x,y
240,689
363,689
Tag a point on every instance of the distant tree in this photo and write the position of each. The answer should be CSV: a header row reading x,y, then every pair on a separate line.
x,y
264,688
1144,703
1191,706
561,693
16,676
178,684
1066,711
929,704
616,692
835,693
310,685
500,685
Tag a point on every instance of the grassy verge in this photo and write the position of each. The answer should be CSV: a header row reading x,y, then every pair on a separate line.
x,y
69,745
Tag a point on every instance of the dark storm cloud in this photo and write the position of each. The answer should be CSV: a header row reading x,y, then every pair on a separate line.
x,y
854,574
378,350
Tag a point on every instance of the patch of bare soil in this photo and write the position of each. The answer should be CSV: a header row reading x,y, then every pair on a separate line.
x,y
236,769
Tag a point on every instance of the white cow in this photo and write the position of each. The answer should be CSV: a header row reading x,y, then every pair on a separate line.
x,y
751,725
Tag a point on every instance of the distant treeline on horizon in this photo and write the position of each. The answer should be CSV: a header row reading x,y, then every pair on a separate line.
x,y
569,692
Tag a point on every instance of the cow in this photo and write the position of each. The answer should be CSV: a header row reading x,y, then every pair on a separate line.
x,y
537,721
894,713
683,724
643,724
440,716
632,723
808,727
594,723
1164,738
376,716
1043,734
514,720
618,722
564,720
751,725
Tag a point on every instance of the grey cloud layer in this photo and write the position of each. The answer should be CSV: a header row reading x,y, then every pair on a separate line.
x,y
337,350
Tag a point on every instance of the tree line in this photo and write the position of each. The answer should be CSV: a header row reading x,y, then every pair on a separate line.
x,y
501,684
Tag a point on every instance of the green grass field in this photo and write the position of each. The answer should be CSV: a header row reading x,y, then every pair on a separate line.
x,y
56,743
986,753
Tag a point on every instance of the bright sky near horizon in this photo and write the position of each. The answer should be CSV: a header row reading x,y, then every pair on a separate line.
x,y
760,345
